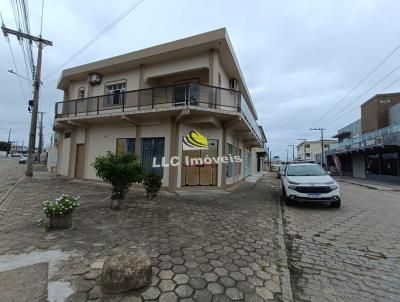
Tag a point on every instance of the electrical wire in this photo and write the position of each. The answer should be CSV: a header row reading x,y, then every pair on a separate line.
x,y
360,82
95,38
41,20
368,90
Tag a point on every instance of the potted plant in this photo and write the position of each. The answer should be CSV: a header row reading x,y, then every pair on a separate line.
x,y
59,211
121,171
152,184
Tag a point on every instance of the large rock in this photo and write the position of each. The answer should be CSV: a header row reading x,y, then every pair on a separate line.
x,y
123,273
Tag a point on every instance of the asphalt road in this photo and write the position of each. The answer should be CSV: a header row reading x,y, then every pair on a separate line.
x,y
346,254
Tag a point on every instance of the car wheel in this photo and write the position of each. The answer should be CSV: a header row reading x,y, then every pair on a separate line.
x,y
335,204
284,197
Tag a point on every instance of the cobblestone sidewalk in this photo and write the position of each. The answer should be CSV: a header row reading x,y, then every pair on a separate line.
x,y
203,247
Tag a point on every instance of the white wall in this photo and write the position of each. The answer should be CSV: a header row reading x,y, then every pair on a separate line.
x,y
103,138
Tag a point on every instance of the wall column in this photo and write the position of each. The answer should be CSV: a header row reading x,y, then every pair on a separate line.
x,y
138,142
223,165
174,151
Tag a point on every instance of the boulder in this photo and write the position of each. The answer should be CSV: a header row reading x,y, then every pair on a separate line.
x,y
123,273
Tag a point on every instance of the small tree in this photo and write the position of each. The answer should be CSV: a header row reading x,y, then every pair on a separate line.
x,y
121,171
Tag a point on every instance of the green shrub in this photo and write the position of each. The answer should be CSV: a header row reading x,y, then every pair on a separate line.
x,y
60,207
152,183
120,170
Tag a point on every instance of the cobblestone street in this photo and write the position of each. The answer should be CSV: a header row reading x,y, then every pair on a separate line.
x,y
203,247
10,173
346,254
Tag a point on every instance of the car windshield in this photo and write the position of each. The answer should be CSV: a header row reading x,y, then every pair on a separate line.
x,y
305,170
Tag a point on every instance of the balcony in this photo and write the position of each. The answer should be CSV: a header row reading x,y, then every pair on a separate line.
x,y
157,99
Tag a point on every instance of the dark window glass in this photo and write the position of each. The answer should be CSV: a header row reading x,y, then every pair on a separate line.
x,y
305,170
229,164
125,145
115,94
67,134
373,164
307,146
389,164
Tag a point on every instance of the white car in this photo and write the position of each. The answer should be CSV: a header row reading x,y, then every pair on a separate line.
x,y
308,181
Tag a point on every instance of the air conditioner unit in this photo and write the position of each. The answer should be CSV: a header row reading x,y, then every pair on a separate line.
x,y
94,78
233,84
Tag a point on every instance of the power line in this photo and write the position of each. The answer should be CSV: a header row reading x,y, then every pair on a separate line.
x,y
95,38
360,82
358,106
372,87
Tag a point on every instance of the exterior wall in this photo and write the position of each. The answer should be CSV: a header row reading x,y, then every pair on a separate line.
x,y
394,114
374,113
103,138
315,148
354,128
358,163
236,143
63,155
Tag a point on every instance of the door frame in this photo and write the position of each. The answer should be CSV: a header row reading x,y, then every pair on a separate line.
x,y
77,161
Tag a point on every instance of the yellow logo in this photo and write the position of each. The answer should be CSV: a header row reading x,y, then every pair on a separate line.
x,y
195,141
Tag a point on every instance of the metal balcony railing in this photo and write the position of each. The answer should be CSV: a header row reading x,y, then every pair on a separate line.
x,y
178,95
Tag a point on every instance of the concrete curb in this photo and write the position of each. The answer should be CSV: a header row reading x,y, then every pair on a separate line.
x,y
287,293
8,192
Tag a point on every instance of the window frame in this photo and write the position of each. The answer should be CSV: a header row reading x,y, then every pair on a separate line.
x,y
126,145
111,96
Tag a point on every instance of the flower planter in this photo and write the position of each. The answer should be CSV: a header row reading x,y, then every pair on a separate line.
x,y
61,223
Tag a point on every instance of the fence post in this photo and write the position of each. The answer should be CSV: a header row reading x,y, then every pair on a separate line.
x,y
76,107
123,102
98,100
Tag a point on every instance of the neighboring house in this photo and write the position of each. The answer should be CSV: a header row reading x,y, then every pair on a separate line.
x,y
307,150
148,101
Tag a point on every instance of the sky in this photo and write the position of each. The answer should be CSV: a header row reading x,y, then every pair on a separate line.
x,y
299,58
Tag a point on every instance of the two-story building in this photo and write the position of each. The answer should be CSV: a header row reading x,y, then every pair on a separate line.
x,y
152,102
370,147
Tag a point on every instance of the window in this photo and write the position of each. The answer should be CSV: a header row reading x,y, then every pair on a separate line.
x,y
115,94
308,154
229,164
81,92
125,145
67,134
307,146
373,164
389,164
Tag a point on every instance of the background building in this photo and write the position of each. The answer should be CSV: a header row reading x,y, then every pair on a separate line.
x,y
307,150
370,147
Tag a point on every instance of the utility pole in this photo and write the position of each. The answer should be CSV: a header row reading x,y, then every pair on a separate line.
x,y
292,150
287,156
322,143
40,147
8,142
32,133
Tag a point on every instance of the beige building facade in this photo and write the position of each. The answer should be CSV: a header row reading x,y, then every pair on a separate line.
x,y
307,150
146,102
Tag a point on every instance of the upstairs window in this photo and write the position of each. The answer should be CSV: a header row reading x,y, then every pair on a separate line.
x,y
115,94
81,92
